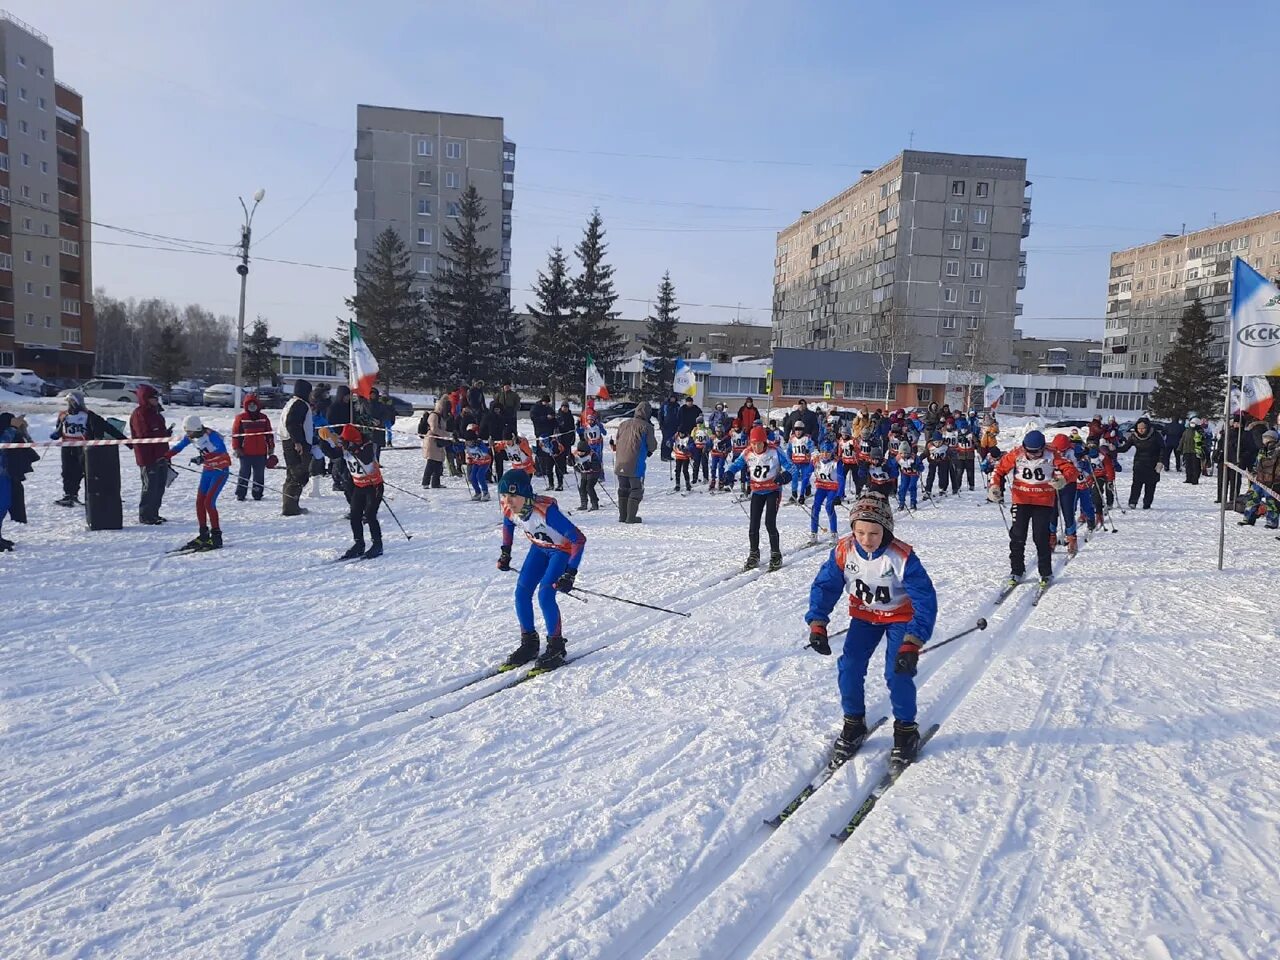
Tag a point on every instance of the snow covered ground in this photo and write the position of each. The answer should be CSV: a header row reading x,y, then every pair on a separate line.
x,y
258,753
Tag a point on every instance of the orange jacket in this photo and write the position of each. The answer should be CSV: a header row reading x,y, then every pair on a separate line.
x,y
1032,476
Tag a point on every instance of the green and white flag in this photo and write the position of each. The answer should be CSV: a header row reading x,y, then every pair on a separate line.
x,y
595,382
362,371
992,392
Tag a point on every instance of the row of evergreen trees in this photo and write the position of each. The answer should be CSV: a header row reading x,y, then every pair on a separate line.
x,y
464,329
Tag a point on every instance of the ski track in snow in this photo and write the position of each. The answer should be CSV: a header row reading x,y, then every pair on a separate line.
x,y
257,753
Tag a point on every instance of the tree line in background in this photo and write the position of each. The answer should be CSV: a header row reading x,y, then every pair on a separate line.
x,y
155,338
464,330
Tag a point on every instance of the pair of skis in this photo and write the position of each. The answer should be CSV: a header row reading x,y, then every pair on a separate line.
x,y
881,787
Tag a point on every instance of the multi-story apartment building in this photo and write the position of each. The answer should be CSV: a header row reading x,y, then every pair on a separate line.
x,y
46,284
1070,357
1151,285
412,167
922,256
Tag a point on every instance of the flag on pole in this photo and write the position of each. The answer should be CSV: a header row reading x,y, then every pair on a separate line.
x,y
362,370
992,392
685,382
1255,323
1253,396
595,382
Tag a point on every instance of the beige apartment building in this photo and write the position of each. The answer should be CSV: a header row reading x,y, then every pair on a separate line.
x,y
925,253
1152,284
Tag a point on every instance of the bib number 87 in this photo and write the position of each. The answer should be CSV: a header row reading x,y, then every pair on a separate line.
x,y
760,471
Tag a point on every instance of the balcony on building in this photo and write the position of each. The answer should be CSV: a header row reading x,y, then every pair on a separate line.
x,y
1022,271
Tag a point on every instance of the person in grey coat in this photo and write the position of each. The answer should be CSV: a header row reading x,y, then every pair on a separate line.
x,y
633,446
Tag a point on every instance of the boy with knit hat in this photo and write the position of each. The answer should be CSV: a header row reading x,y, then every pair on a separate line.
x,y
890,594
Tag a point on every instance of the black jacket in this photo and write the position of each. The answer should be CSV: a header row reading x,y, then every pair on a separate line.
x,y
493,426
475,398
808,417
339,407
543,418
689,414
566,427
1146,450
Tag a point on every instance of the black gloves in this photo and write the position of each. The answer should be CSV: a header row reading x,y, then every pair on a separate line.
x,y
565,583
818,638
908,656
784,477
504,559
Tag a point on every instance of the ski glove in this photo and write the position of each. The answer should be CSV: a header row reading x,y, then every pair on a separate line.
x,y
994,493
1057,481
784,477
504,559
908,656
818,638
565,583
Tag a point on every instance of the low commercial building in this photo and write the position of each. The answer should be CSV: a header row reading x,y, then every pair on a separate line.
x,y
1038,355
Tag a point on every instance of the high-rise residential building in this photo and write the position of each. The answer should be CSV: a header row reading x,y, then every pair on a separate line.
x,y
412,167
923,255
1151,285
46,284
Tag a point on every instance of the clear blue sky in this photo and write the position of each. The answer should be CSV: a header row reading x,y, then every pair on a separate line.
x,y
1135,118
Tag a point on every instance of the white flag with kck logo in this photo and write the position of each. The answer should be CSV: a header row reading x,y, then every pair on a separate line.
x,y
1255,323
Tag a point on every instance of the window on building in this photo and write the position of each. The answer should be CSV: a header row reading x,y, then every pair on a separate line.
x,y
981,189
28,257
953,268
424,147
44,136
22,61
29,288
978,244
949,322
424,178
44,166
25,192
43,103
975,296
31,319
454,209
6,261
957,214
424,265
46,260
453,151
977,270
948,348
980,214
957,188
451,179
22,93
424,236
949,295
955,241
70,335
48,292
4,128
424,207
71,306
973,323
23,126
48,321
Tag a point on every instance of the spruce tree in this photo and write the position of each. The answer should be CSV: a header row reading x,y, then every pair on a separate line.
x,y
661,345
550,355
338,347
390,312
1190,379
478,336
168,360
594,328
260,353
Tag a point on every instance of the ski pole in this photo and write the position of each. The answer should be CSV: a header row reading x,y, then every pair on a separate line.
x,y
980,625
406,533
634,603
265,486
1003,516
410,493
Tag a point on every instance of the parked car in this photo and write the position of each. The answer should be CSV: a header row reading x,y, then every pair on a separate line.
x,y
56,385
21,381
615,411
1068,424
220,395
122,389
190,392
269,397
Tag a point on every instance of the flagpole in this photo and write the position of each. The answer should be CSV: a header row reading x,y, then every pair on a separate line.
x,y
1226,417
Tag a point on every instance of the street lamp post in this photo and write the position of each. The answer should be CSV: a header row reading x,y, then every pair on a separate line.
x,y
242,268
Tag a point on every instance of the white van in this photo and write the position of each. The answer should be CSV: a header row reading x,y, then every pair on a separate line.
x,y
113,388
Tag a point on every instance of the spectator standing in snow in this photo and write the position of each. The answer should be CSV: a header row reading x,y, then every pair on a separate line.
x,y
14,467
147,421
297,433
634,444
254,444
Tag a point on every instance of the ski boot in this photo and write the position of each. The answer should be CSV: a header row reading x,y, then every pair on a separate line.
x,y
594,506
553,656
835,536
522,654
1044,583
353,551
374,551
67,501
475,497
200,541
1072,545
801,500
906,743
793,498
688,488
215,539
850,739
753,561
560,486
582,504
5,545
1013,581
813,539
775,562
